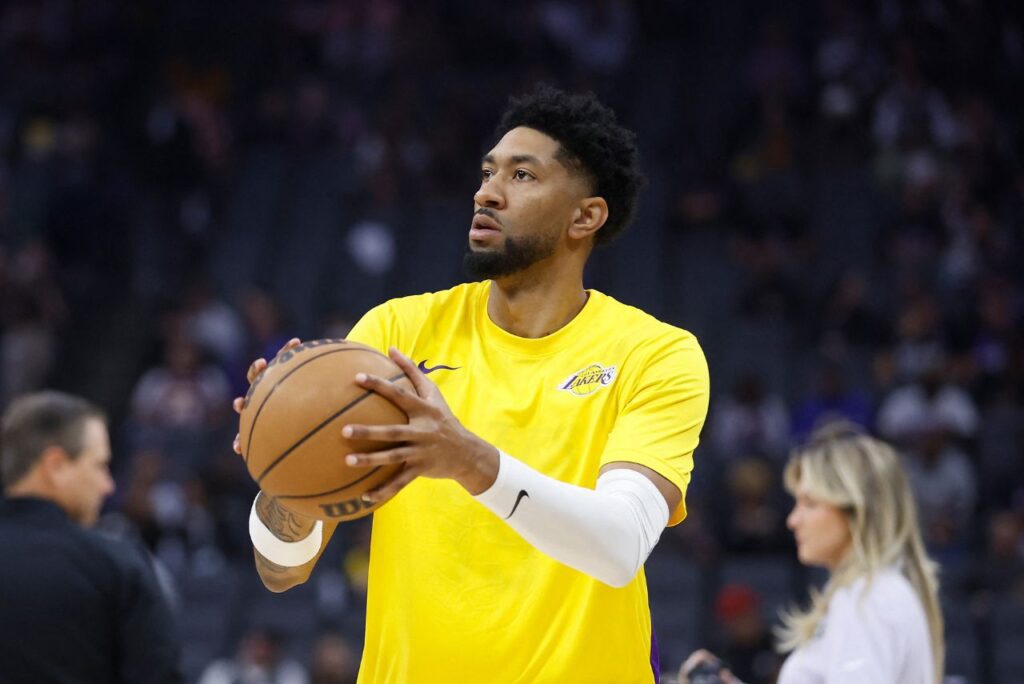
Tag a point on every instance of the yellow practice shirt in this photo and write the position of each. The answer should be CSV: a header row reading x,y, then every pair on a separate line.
x,y
455,594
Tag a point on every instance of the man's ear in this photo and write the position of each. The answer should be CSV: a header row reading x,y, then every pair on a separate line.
x,y
590,215
53,465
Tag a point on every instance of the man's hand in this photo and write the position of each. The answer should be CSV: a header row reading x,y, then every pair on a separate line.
x,y
255,368
285,524
698,661
433,444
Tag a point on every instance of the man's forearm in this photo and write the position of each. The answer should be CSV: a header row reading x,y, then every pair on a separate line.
x,y
285,525
606,532
288,527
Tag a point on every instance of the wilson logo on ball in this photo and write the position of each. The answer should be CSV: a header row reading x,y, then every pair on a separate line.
x,y
344,509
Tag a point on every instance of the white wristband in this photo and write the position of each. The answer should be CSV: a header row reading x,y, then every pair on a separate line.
x,y
280,552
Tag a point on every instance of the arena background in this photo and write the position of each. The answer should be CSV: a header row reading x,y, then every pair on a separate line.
x,y
835,208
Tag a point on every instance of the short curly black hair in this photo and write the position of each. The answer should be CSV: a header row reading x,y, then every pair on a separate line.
x,y
592,143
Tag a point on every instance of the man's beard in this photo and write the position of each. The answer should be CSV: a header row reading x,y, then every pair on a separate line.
x,y
518,255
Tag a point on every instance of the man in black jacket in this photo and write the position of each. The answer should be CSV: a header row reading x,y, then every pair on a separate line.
x,y
76,606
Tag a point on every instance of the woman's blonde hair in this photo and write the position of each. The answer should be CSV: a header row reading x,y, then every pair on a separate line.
x,y
846,468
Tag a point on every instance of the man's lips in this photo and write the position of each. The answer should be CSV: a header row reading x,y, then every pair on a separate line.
x,y
483,226
484,222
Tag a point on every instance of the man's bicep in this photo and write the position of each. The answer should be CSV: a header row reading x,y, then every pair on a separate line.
x,y
659,425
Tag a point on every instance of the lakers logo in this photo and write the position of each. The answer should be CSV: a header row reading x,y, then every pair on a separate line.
x,y
588,380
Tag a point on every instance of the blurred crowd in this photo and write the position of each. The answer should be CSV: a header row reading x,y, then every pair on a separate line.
x,y
836,209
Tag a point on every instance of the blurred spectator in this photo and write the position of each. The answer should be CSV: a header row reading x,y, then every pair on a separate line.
x,y
182,392
181,405
265,324
1000,445
911,111
920,408
213,324
260,660
1001,568
942,479
334,661
775,66
995,334
78,605
770,293
750,421
751,512
171,514
830,400
31,310
745,642
598,35
848,318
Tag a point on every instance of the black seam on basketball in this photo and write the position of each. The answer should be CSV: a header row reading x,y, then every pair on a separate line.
x,y
252,430
316,429
332,491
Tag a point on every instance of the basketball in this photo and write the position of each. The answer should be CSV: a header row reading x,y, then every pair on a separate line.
x,y
291,421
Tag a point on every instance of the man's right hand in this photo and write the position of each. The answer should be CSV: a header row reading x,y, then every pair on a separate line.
x,y
255,368
283,523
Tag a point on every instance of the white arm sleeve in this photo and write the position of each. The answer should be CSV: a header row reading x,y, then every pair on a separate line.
x,y
606,533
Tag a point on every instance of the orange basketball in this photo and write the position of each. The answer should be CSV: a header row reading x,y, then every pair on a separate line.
x,y
290,427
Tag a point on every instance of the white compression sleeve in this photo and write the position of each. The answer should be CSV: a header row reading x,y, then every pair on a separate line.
x,y
606,533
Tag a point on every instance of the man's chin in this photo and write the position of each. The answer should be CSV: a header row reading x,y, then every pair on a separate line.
x,y
510,257
482,263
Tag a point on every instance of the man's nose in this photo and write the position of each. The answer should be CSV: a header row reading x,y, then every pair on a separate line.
x,y
490,195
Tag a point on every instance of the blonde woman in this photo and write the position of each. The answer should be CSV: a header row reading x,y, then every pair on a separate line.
x,y
878,617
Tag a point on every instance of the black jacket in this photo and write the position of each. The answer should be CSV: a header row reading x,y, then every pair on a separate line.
x,y
78,607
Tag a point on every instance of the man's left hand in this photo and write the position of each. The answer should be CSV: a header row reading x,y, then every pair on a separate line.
x,y
433,444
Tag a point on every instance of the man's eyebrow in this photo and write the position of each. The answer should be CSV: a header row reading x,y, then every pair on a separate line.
x,y
515,159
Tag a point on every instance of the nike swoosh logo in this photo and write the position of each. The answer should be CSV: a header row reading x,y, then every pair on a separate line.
x,y
522,495
426,371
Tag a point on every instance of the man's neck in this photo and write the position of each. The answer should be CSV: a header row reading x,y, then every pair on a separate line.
x,y
31,487
534,308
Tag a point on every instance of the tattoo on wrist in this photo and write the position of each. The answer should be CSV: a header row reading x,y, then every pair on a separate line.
x,y
284,524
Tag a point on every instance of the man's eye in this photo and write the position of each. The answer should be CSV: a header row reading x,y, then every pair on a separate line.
x,y
485,174
522,175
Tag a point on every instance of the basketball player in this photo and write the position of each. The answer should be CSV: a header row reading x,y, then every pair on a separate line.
x,y
550,438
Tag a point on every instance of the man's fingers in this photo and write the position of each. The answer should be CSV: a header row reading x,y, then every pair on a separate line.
x,y
290,344
238,404
237,444
260,365
379,458
412,371
257,367
390,488
380,433
399,396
